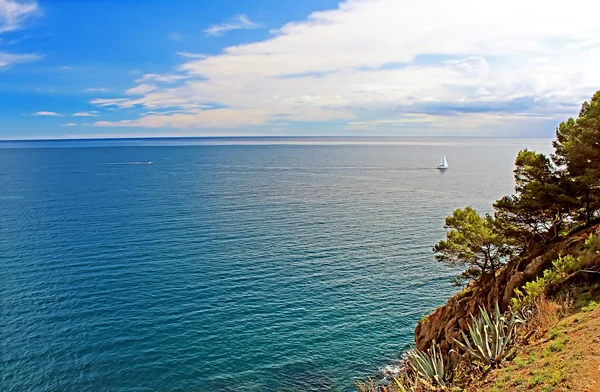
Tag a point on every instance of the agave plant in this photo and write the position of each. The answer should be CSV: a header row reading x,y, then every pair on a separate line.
x,y
491,337
429,368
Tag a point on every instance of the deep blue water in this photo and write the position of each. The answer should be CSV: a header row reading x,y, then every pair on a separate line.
x,y
246,265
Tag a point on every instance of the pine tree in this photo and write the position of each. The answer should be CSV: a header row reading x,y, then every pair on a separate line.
x,y
541,203
577,149
472,242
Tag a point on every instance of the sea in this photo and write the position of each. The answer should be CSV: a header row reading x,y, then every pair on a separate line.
x,y
227,264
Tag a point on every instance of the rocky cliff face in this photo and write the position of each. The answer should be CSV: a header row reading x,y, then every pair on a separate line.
x,y
447,321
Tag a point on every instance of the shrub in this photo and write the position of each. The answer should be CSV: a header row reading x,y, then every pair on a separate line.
x,y
491,338
590,306
592,243
561,268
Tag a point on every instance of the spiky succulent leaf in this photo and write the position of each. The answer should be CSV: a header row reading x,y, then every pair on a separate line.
x,y
430,367
491,337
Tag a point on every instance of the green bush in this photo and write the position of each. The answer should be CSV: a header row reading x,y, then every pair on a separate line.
x,y
561,268
592,243
590,306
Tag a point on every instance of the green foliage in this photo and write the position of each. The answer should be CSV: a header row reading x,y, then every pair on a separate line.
x,y
590,306
520,362
555,346
552,196
474,242
540,204
576,148
557,192
590,253
400,385
592,243
561,268
538,379
492,337
555,333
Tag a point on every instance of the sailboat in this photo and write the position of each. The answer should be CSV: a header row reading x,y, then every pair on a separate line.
x,y
443,162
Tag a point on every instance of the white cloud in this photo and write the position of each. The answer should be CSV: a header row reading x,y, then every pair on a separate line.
x,y
69,125
238,22
9,59
121,102
217,118
140,90
465,123
13,14
174,36
192,55
43,113
99,89
391,59
157,78
85,114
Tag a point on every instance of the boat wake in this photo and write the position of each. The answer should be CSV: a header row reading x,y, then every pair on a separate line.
x,y
127,163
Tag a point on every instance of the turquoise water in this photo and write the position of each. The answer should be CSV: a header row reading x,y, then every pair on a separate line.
x,y
226,264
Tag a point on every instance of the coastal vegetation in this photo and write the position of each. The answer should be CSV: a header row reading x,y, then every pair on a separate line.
x,y
474,242
532,269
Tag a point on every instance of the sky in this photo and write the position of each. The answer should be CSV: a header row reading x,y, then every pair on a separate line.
x,y
100,68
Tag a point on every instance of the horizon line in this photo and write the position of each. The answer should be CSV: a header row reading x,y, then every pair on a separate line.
x,y
62,139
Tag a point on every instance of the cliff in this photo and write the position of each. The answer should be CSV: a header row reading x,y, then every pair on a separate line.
x,y
446,322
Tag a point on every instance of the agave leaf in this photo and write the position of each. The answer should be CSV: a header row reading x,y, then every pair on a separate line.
x,y
430,367
399,385
491,336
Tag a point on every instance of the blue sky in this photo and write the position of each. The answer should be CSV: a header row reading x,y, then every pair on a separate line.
x,y
318,67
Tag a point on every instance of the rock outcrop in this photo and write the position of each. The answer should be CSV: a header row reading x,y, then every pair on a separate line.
x,y
447,321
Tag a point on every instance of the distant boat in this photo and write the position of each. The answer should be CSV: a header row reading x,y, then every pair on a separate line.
x,y
443,163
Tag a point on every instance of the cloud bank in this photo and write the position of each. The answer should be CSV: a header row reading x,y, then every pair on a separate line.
x,y
387,64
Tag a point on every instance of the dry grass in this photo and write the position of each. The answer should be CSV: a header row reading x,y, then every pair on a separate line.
x,y
565,357
369,386
545,315
559,351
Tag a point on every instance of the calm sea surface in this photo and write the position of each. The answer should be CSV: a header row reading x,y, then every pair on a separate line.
x,y
226,264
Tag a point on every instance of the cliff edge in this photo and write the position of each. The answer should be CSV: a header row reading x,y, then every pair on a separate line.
x,y
447,321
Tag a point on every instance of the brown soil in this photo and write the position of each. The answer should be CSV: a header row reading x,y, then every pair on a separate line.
x,y
565,358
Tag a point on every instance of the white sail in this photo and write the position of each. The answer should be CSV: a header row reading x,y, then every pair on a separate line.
x,y
443,162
